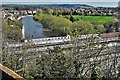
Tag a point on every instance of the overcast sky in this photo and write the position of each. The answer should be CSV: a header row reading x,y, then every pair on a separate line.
x,y
59,0
113,3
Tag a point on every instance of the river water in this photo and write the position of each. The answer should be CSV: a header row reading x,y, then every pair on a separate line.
x,y
34,30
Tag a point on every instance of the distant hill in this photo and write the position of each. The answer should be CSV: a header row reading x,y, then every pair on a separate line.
x,y
50,5
68,5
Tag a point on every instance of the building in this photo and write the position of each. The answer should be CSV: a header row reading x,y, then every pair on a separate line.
x,y
8,74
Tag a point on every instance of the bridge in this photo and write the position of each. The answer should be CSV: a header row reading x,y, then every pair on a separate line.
x,y
43,44
61,40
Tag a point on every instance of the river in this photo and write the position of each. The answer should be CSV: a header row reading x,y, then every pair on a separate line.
x,y
34,30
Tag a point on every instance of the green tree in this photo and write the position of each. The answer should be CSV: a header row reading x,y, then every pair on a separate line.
x,y
94,73
82,27
72,18
109,27
99,29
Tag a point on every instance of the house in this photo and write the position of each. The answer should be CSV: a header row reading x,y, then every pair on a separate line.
x,y
29,12
34,12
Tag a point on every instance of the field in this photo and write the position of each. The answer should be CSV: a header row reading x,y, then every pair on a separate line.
x,y
98,19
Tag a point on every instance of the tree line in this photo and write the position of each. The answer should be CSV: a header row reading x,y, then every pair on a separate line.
x,y
64,26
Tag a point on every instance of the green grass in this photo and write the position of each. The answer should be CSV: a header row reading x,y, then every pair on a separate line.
x,y
98,19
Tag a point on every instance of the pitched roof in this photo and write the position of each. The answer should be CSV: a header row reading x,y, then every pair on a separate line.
x,y
112,34
10,72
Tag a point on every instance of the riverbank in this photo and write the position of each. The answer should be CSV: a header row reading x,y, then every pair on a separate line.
x,y
12,29
33,29
23,32
44,29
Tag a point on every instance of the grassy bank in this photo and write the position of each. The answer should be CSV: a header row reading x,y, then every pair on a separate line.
x,y
98,19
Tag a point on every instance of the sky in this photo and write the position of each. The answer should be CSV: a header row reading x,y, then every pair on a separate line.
x,y
59,0
111,3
